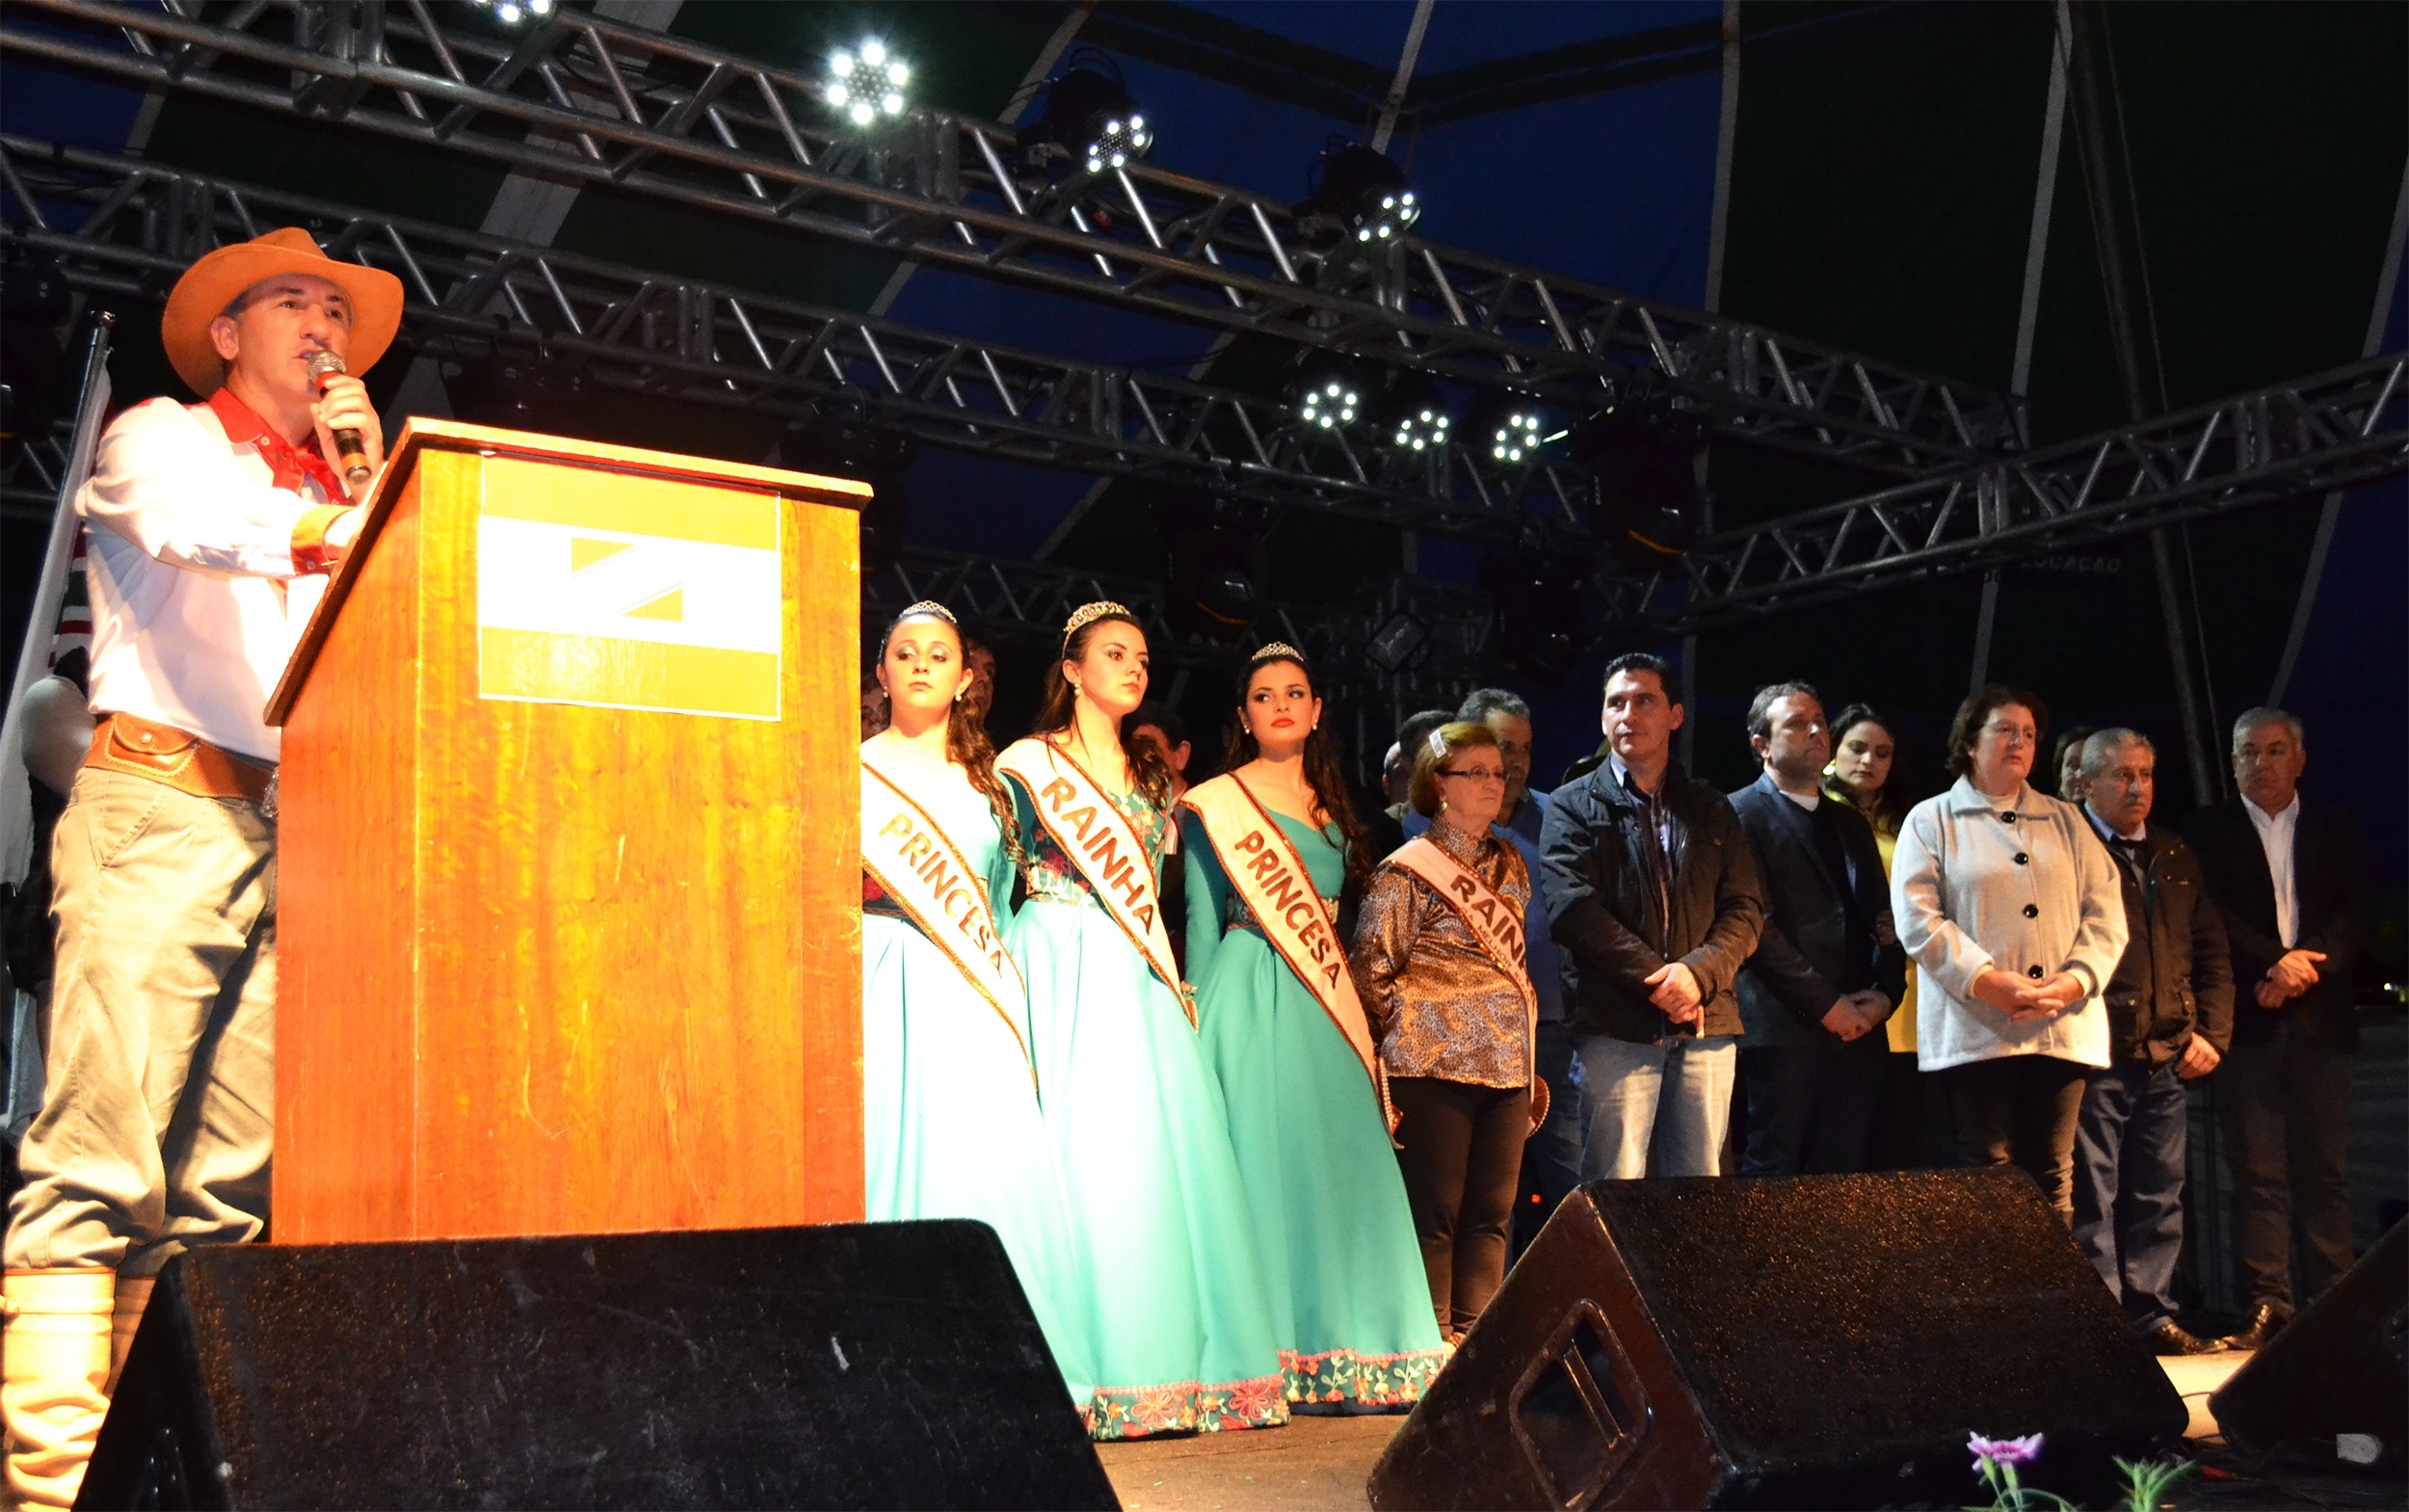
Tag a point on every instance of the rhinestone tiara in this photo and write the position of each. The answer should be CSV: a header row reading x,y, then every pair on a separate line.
x,y
1088,614
928,608
1277,650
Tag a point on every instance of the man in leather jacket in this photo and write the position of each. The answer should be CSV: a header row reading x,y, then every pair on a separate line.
x,y
1653,896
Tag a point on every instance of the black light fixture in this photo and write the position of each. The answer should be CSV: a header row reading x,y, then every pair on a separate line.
x,y
1332,394
1509,429
845,441
524,389
1396,642
1642,456
1358,193
1089,120
865,83
1213,559
515,12
1416,422
1540,628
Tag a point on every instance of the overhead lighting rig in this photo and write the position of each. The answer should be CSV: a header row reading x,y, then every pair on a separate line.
x,y
866,83
1360,196
1330,395
1417,423
1089,120
1641,452
1509,429
515,12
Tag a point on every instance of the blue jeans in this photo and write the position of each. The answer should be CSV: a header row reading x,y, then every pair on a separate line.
x,y
1671,1098
2129,1145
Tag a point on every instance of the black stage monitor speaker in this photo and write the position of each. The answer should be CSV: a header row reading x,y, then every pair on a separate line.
x,y
1814,1342
2341,1367
891,1365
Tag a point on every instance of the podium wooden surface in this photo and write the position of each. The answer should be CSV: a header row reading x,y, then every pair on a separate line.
x,y
569,900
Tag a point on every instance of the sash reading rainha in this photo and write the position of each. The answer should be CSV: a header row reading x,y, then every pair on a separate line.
x,y
1098,838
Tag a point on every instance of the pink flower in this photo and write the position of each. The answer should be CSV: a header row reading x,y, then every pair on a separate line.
x,y
2005,1453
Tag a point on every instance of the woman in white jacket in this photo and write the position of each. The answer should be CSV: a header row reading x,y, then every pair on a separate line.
x,y
2012,911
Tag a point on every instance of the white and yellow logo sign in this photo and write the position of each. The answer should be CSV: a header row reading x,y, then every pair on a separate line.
x,y
628,592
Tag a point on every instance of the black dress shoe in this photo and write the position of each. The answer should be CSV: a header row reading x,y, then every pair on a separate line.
x,y
2259,1326
2169,1339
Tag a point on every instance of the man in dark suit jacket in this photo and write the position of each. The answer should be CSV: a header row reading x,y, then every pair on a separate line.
x,y
1828,969
2290,879
2170,1008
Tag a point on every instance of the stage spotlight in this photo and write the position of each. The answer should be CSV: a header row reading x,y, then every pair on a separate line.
x,y
1509,429
1213,550
1329,403
515,12
866,83
1539,613
1367,196
1642,456
1417,418
1090,120
847,441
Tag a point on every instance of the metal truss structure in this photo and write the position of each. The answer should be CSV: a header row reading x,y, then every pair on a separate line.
x,y
2291,439
583,99
126,229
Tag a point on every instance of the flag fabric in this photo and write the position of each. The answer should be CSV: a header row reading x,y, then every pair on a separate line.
x,y
629,592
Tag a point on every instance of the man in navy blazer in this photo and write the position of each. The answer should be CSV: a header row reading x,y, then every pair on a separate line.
x,y
1828,969
2290,879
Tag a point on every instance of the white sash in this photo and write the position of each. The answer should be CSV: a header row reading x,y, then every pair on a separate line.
x,y
912,858
1100,841
1496,924
1271,879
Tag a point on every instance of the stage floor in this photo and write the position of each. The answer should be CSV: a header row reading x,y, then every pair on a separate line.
x,y
1319,1463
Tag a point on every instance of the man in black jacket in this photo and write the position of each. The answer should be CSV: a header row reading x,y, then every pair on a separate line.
x,y
2170,1009
1652,894
2289,880
1828,969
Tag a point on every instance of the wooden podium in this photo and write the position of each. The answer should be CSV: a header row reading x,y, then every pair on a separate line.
x,y
570,901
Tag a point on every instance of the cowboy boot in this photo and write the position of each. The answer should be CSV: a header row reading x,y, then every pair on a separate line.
x,y
53,1387
133,1296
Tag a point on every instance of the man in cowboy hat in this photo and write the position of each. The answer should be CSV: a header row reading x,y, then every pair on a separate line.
x,y
211,529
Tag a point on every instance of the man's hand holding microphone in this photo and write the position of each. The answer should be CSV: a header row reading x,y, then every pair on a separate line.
x,y
352,438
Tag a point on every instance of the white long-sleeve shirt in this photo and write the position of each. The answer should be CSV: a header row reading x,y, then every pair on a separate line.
x,y
2275,837
1980,883
198,599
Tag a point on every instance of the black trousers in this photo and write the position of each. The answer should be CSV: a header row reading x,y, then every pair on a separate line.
x,y
1810,1107
2286,1117
1462,1154
2021,1110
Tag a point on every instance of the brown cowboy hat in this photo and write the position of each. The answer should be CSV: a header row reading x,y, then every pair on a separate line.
x,y
210,284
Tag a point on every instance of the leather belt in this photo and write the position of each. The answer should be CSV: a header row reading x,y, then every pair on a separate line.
x,y
177,758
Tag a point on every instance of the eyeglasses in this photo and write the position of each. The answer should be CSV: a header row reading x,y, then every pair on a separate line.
x,y
1478,774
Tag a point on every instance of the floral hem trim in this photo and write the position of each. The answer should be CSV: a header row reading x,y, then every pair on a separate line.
x,y
1342,1375
1138,1412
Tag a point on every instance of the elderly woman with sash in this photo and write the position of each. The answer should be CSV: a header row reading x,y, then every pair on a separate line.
x,y
1438,959
1270,844
1159,1226
951,1127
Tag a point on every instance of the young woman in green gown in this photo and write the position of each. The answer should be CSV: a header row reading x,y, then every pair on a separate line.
x,y
951,1127
1287,1040
1159,1226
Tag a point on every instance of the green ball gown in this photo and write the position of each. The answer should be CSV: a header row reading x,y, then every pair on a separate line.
x,y
951,1127
1349,1297
1176,1304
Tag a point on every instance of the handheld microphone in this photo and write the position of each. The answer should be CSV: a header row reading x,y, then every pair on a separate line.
x,y
324,365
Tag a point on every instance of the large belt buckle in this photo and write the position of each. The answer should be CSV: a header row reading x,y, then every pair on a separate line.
x,y
267,800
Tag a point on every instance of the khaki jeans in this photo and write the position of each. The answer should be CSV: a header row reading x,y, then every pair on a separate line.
x,y
156,1123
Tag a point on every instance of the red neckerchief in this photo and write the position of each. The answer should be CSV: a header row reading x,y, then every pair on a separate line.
x,y
244,426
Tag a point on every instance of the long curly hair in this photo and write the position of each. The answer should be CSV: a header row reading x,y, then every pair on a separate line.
x,y
966,739
1056,712
1323,773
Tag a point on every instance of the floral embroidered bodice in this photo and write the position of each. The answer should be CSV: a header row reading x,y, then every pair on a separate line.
x,y
1053,877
